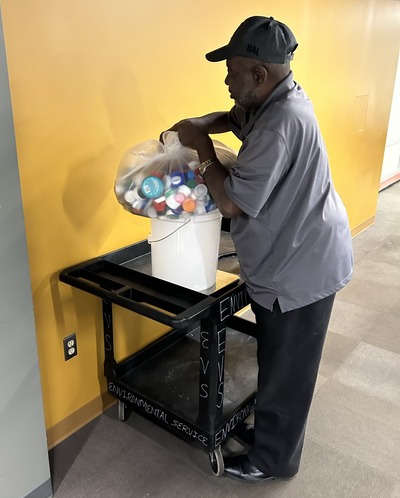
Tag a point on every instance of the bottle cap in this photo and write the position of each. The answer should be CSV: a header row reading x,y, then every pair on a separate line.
x,y
160,204
131,196
200,207
177,211
189,205
180,197
152,187
200,191
171,214
210,206
185,190
139,204
172,202
191,181
193,165
177,178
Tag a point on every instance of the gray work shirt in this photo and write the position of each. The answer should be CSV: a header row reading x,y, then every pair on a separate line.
x,y
292,239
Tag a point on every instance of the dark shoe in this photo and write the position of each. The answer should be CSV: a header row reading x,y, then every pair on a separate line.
x,y
240,468
246,433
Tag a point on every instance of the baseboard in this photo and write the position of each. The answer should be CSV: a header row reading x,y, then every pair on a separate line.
x,y
360,228
45,490
389,181
78,419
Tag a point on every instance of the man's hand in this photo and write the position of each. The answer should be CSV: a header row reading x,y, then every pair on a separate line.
x,y
177,126
194,133
191,133
215,122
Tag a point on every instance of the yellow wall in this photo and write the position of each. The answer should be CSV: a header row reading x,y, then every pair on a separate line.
x,y
91,78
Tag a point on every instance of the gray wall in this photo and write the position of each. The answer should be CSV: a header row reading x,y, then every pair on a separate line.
x,y
24,464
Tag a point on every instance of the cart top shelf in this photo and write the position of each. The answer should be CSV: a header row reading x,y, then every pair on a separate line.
x,y
123,277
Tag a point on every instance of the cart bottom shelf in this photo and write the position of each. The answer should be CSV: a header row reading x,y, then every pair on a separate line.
x,y
171,378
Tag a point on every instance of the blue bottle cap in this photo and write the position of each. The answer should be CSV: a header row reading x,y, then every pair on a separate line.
x,y
177,211
177,178
210,206
171,214
193,165
152,187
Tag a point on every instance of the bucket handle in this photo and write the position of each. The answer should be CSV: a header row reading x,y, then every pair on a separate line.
x,y
150,241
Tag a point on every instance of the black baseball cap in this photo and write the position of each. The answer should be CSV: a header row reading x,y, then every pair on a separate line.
x,y
261,38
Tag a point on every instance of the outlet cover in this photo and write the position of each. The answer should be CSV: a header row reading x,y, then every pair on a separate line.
x,y
70,347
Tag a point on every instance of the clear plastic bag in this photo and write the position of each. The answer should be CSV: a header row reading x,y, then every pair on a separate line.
x,y
161,179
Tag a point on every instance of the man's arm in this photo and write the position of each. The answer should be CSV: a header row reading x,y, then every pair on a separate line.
x,y
194,133
215,122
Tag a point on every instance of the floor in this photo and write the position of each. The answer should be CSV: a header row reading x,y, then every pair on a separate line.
x,y
352,446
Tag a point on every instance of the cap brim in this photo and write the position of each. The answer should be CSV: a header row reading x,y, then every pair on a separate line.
x,y
220,54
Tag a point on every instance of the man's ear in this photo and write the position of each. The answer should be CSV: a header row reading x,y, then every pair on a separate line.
x,y
260,74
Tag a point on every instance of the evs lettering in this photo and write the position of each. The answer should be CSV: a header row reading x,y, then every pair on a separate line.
x,y
230,305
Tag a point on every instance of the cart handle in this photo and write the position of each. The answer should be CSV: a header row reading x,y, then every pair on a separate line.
x,y
118,296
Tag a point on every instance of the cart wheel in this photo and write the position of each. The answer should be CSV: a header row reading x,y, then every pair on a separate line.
x,y
217,461
122,411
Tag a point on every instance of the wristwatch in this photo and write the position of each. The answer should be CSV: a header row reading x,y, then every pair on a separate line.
x,y
205,164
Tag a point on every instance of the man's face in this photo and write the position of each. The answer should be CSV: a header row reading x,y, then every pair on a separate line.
x,y
241,83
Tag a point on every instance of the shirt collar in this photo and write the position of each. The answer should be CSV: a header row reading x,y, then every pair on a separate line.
x,y
278,92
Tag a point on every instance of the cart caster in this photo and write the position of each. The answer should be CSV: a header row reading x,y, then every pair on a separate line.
x,y
217,461
123,412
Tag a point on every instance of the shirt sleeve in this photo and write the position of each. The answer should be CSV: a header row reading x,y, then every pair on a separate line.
x,y
262,162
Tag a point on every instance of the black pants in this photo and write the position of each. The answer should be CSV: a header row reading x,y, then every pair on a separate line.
x,y
289,352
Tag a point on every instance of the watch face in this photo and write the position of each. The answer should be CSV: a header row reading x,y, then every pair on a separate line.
x,y
204,165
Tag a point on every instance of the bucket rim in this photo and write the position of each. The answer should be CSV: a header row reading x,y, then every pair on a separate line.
x,y
198,218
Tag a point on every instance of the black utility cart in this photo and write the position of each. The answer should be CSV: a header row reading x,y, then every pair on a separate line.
x,y
198,380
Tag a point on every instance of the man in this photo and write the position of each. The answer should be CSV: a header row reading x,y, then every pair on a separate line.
x,y
289,227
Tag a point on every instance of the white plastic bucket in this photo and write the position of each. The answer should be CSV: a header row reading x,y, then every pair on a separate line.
x,y
185,252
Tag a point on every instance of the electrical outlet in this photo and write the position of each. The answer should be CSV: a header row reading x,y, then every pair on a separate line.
x,y
70,347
